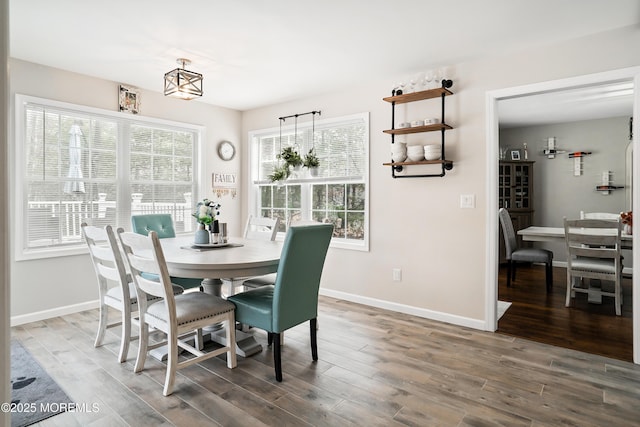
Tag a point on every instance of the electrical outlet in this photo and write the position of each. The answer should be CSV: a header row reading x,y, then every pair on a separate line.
x,y
397,274
467,201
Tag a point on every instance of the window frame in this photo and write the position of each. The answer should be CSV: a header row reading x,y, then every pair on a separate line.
x,y
19,181
253,195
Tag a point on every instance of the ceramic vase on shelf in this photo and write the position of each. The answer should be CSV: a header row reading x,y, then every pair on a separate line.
x,y
202,235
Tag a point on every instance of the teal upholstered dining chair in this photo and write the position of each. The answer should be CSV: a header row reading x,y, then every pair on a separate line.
x,y
162,224
293,299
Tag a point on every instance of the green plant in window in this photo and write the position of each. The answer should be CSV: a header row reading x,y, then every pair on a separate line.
x,y
311,160
290,156
280,173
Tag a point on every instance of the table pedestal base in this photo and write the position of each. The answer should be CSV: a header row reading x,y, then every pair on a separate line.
x,y
246,344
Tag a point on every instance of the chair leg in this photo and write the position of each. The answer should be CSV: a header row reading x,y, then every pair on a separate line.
x,y
567,302
277,362
269,338
198,339
618,297
143,342
549,270
509,262
172,363
231,341
102,325
125,339
313,329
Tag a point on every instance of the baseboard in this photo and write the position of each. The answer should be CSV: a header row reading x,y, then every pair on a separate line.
x,y
54,312
406,309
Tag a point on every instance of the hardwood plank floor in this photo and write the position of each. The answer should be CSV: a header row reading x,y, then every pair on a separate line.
x,y
542,317
375,368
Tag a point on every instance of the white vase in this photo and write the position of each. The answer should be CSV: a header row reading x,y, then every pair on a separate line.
x,y
202,236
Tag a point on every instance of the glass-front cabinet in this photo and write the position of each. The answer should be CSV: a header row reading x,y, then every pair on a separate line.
x,y
515,193
515,185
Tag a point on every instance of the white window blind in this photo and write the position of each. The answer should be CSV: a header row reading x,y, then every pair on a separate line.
x,y
87,165
337,194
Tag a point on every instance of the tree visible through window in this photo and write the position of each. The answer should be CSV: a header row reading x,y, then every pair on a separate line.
x,y
339,192
100,167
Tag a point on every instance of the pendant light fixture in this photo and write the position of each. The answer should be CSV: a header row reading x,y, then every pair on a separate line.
x,y
182,83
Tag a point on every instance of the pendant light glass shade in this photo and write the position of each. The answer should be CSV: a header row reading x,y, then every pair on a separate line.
x,y
181,83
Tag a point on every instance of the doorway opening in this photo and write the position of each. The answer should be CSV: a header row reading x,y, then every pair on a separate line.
x,y
497,110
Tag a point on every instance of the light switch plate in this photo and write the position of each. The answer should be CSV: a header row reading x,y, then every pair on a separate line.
x,y
467,201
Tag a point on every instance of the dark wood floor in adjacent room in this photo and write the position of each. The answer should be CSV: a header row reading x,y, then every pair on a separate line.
x,y
591,328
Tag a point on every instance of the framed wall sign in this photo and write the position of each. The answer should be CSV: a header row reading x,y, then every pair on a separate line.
x,y
129,99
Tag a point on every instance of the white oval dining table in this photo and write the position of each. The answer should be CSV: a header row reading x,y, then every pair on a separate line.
x,y
239,259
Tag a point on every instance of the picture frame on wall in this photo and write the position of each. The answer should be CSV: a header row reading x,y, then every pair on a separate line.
x,y
515,154
129,99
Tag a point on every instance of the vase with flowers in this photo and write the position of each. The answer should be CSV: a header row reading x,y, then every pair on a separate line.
x,y
205,213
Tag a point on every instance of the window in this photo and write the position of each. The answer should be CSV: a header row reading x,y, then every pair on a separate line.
x,y
77,164
337,194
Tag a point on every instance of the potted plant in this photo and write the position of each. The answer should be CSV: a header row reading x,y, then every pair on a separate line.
x,y
291,157
205,213
311,162
280,173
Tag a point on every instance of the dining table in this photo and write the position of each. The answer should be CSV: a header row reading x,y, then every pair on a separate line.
x,y
222,264
556,234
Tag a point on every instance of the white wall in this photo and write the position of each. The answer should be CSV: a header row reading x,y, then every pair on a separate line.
x,y
416,224
557,192
41,285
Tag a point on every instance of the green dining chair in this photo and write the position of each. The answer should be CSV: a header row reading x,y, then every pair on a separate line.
x,y
162,224
293,299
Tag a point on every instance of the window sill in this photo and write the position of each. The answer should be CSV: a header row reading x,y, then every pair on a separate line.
x,y
33,254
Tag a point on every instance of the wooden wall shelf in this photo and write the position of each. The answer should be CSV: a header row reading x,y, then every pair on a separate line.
x,y
418,129
418,96
441,127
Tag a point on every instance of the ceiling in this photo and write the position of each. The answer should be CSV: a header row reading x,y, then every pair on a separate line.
x,y
596,101
254,53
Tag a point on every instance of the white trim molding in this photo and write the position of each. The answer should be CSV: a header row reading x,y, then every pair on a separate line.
x,y
492,121
54,312
406,309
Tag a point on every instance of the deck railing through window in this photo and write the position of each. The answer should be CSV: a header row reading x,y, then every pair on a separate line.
x,y
59,222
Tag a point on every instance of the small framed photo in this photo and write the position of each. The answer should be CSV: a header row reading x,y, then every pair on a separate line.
x,y
515,154
129,99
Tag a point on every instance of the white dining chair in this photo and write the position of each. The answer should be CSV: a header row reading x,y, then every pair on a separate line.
x,y
593,252
179,316
599,215
261,228
115,286
257,228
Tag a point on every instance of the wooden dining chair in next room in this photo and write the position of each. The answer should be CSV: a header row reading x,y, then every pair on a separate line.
x,y
115,286
514,254
293,299
162,224
593,252
179,316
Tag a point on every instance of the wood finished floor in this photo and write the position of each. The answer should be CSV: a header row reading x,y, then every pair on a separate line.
x,y
376,368
542,317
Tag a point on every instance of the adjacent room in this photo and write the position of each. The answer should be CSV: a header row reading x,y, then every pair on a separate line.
x,y
266,213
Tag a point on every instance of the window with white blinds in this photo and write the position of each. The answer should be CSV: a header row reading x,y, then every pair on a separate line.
x,y
78,164
338,193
